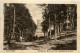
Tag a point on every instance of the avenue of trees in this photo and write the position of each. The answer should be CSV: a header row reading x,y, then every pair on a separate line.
x,y
57,16
18,22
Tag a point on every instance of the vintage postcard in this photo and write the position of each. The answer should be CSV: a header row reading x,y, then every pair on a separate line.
x,y
32,27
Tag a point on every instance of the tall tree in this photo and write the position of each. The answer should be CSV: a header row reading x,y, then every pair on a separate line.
x,y
54,13
23,20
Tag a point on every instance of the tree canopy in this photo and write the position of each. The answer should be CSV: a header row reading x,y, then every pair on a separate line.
x,y
23,18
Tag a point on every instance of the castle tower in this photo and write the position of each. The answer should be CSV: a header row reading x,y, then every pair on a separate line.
x,y
39,29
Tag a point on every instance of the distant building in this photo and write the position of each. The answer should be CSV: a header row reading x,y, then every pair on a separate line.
x,y
39,29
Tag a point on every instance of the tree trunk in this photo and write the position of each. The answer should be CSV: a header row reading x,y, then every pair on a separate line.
x,y
44,35
9,39
55,28
55,33
58,31
50,31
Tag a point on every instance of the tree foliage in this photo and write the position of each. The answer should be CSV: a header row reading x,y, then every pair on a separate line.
x,y
60,10
23,19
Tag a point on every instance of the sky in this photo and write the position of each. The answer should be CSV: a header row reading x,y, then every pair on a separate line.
x,y
35,11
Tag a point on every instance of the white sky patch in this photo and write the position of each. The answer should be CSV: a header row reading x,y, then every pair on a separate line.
x,y
35,11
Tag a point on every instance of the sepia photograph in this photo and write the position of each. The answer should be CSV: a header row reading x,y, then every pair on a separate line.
x,y
40,26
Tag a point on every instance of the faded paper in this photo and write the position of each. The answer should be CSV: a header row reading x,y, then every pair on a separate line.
x,y
21,23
